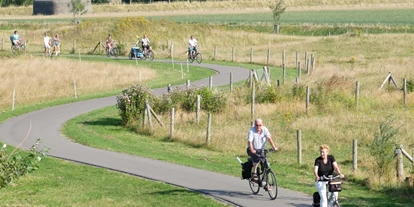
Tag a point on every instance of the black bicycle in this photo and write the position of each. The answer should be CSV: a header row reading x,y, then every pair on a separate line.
x,y
195,55
266,178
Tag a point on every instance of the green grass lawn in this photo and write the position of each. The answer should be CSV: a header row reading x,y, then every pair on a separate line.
x,y
335,17
63,183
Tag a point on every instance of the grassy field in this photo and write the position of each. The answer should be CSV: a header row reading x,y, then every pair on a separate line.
x,y
333,119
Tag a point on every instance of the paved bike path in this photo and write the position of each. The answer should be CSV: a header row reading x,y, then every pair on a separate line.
x,y
47,122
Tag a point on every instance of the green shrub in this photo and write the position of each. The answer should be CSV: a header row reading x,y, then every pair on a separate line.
x,y
298,91
383,146
13,166
269,94
410,86
131,103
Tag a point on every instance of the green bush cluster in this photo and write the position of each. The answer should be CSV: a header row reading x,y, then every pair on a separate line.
x,y
131,103
13,166
269,94
410,85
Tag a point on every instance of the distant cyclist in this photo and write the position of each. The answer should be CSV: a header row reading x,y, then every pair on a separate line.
x,y
14,38
192,45
145,43
109,43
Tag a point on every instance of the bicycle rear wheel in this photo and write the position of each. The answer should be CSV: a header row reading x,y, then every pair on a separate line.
x,y
271,185
199,58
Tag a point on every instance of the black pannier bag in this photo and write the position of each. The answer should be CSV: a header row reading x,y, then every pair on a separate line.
x,y
316,199
247,169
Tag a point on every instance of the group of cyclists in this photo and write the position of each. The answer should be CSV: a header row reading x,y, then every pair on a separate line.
x,y
145,44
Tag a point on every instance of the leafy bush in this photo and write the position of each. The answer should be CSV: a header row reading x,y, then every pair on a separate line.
x,y
211,100
131,103
298,91
13,166
269,94
383,146
410,86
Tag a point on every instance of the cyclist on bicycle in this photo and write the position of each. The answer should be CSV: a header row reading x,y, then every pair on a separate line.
x,y
257,137
325,165
144,43
14,38
192,45
109,43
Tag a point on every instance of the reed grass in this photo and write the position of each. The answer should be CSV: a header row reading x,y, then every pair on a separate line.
x,y
35,79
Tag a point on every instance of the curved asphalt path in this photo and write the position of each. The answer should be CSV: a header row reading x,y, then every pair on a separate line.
x,y
47,122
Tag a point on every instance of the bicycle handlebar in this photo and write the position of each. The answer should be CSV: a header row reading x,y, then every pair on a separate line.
x,y
324,178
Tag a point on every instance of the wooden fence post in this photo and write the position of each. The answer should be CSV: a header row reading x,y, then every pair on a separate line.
x,y
405,91
284,73
148,109
188,84
231,82
215,52
299,145
297,59
400,163
251,55
306,57
283,57
13,98
232,54
252,101
307,99
268,56
169,88
74,88
299,71
354,154
357,94
172,123
208,129
198,109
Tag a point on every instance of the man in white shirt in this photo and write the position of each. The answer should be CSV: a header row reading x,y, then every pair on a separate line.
x,y
257,137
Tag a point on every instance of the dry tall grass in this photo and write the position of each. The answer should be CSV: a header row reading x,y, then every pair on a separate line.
x,y
37,79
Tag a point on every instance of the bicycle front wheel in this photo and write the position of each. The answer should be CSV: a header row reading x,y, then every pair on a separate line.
x,y
336,204
14,49
150,55
115,52
271,185
199,58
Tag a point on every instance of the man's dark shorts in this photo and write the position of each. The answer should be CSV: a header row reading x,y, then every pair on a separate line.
x,y
255,157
